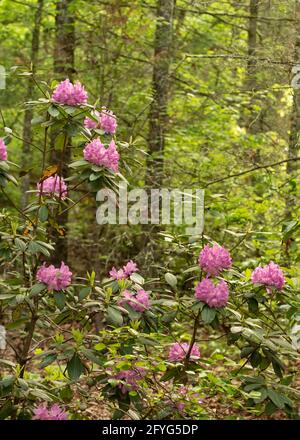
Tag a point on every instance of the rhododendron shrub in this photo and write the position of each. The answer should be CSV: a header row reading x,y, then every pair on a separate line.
x,y
145,348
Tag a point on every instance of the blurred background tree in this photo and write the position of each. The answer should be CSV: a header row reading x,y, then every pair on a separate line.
x,y
203,88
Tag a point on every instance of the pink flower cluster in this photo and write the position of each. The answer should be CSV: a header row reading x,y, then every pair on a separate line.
x,y
139,301
125,272
3,151
96,153
270,275
130,379
54,278
211,294
54,412
71,94
53,186
107,121
214,259
178,351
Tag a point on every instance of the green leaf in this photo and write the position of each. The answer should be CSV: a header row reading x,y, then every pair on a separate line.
x,y
78,163
69,109
117,414
4,296
37,120
43,213
136,278
276,398
36,248
114,316
49,359
6,410
92,357
169,374
246,351
75,367
37,288
66,394
147,341
252,386
3,181
100,346
20,244
94,177
11,178
208,314
270,408
53,111
277,368
253,305
255,359
171,279
84,293
60,299
4,165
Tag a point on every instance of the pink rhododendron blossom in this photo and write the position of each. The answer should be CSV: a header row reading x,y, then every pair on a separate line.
x,y
54,278
270,275
96,153
117,274
125,272
71,94
130,379
130,267
54,412
53,186
214,295
91,123
106,121
178,351
214,259
3,150
139,301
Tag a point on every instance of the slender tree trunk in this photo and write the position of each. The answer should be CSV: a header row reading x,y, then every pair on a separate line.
x,y
252,41
293,148
27,131
160,85
252,122
63,68
158,117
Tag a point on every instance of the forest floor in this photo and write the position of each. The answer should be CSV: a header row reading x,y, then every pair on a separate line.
x,y
218,406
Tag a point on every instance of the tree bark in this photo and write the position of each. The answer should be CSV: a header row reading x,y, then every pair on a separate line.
x,y
160,84
293,147
27,131
64,49
253,122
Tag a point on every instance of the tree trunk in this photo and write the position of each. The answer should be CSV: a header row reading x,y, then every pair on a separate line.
x,y
252,39
27,131
63,68
160,83
253,121
293,148
158,117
